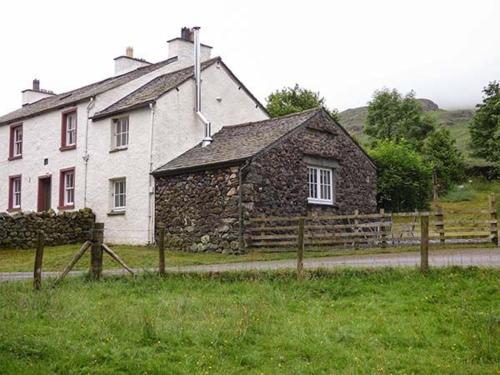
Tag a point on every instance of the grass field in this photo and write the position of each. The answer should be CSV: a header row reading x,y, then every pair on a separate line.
x,y
347,322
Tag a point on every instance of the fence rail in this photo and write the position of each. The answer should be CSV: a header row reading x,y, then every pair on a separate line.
x,y
375,229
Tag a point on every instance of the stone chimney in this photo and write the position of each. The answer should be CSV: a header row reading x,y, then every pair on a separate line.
x,y
183,47
35,93
127,62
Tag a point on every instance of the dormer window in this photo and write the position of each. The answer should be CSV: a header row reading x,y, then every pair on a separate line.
x,y
16,142
68,130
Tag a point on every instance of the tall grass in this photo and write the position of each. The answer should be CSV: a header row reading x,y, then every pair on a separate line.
x,y
344,322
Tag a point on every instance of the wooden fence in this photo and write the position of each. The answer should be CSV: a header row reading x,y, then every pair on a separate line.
x,y
375,230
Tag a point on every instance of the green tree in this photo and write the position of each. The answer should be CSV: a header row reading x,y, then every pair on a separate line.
x,y
295,99
447,162
485,125
404,180
396,117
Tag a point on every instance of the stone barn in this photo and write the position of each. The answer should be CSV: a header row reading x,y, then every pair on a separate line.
x,y
300,164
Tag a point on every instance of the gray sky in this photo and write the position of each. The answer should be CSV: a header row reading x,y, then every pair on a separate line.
x,y
444,50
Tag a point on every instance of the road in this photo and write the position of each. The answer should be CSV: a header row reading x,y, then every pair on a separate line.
x,y
442,258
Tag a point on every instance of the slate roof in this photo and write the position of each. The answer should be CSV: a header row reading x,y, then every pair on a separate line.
x,y
82,93
237,142
152,90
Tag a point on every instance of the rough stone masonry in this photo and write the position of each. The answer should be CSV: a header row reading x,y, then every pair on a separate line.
x,y
202,209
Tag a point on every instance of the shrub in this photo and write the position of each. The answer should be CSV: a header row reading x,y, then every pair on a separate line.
x,y
404,180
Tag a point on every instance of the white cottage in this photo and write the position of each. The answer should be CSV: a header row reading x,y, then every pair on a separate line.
x,y
96,146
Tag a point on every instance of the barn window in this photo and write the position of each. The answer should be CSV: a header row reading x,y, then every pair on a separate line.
x,y
320,183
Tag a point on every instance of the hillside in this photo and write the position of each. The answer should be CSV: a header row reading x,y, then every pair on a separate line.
x,y
456,121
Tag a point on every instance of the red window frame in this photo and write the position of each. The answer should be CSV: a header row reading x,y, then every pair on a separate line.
x,y
62,190
12,142
64,128
11,191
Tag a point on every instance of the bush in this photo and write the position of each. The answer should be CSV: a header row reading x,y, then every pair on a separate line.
x,y
404,180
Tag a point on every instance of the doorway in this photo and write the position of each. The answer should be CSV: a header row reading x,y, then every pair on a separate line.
x,y
44,193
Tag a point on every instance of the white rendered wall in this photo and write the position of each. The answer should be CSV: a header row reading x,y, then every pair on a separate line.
x,y
177,129
42,139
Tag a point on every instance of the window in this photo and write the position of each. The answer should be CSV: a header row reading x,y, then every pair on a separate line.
x,y
16,142
67,188
119,194
68,130
120,132
320,183
15,192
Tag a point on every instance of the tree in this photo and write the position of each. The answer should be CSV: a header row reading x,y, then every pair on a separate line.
x,y
392,116
295,99
447,162
485,125
404,180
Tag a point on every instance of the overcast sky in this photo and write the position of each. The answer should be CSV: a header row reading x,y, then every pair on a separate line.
x,y
444,50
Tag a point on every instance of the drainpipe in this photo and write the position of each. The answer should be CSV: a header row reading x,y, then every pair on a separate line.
x,y
207,139
240,204
151,218
86,152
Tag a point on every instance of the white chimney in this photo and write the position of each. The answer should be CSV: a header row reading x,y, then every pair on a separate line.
x,y
35,93
183,47
126,63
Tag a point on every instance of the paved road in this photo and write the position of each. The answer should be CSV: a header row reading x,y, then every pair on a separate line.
x,y
441,258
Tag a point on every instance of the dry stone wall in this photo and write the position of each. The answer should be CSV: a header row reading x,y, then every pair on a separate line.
x,y
20,229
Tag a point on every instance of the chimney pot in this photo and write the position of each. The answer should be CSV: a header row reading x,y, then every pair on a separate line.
x,y
36,85
129,52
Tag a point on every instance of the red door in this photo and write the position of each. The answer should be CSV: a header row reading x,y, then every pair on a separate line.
x,y
44,193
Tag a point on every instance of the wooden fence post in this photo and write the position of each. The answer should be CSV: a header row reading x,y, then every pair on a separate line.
x,y
493,218
439,217
96,251
383,233
37,272
424,243
300,250
161,246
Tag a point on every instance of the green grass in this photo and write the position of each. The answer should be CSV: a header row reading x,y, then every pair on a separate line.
x,y
146,257
346,322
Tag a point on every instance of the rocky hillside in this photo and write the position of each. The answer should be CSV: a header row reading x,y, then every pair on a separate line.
x,y
456,121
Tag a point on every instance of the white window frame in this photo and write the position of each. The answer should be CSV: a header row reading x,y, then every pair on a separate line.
x,y
18,141
321,190
121,136
16,192
116,194
71,130
69,190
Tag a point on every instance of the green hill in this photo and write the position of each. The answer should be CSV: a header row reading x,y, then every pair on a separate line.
x,y
456,121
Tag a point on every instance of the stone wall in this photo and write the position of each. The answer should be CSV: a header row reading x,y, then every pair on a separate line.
x,y
276,182
199,210
20,230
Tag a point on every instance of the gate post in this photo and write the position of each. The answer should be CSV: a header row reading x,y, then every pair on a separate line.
x,y
424,243
96,251
493,219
